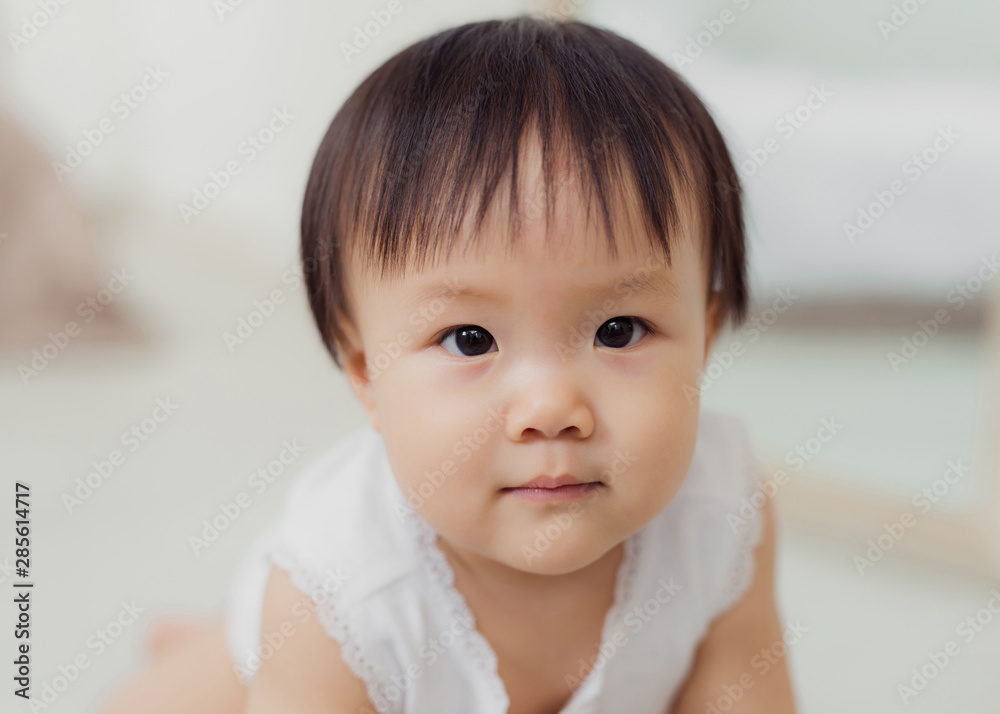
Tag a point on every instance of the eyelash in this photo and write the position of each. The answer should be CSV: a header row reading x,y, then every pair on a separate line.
x,y
642,323
650,332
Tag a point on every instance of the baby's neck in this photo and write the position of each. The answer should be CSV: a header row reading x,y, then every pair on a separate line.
x,y
487,577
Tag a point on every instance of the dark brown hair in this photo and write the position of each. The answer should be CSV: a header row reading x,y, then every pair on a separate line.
x,y
441,124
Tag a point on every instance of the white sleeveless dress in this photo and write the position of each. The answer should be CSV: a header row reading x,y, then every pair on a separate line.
x,y
386,593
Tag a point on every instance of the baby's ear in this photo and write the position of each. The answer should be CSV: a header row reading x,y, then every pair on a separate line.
x,y
352,356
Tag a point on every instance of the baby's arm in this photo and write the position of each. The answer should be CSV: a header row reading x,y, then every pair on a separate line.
x,y
305,674
724,656
193,675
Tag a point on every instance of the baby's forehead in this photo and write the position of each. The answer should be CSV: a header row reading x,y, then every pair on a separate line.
x,y
548,212
575,263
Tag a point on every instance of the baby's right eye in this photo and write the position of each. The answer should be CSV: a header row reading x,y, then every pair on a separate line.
x,y
470,340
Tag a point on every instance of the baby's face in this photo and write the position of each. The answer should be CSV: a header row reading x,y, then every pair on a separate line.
x,y
544,363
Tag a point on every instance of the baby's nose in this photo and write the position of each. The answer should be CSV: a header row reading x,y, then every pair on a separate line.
x,y
551,407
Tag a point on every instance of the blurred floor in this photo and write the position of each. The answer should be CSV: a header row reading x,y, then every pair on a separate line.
x,y
129,539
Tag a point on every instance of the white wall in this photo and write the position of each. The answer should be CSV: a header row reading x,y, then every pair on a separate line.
x,y
225,76
892,91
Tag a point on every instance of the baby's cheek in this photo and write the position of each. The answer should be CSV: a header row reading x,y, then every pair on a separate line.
x,y
661,448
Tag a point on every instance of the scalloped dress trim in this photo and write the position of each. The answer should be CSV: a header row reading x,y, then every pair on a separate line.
x,y
336,623
477,647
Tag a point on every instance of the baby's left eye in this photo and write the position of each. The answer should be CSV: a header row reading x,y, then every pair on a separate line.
x,y
620,332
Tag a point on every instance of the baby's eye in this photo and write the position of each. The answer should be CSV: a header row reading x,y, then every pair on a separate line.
x,y
620,331
470,341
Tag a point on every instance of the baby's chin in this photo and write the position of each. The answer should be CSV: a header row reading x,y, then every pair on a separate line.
x,y
573,539
549,551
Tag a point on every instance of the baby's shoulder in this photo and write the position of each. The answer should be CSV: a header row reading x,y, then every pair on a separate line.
x,y
342,524
341,549
306,668
708,532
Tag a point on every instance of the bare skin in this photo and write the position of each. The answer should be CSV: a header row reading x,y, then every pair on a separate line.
x,y
559,417
724,655
539,640
191,670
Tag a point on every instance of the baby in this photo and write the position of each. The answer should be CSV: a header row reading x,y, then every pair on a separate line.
x,y
520,239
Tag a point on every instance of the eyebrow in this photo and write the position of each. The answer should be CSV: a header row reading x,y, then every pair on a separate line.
x,y
649,281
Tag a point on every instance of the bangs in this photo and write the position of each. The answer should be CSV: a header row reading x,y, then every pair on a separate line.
x,y
420,151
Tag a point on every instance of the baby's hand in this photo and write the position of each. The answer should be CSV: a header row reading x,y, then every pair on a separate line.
x,y
305,674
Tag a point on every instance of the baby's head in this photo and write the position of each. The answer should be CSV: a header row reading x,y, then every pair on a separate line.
x,y
497,330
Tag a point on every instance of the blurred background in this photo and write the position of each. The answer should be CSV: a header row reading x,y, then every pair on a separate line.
x,y
153,158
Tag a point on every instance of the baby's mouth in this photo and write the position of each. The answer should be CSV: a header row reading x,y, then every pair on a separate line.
x,y
548,488
544,481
